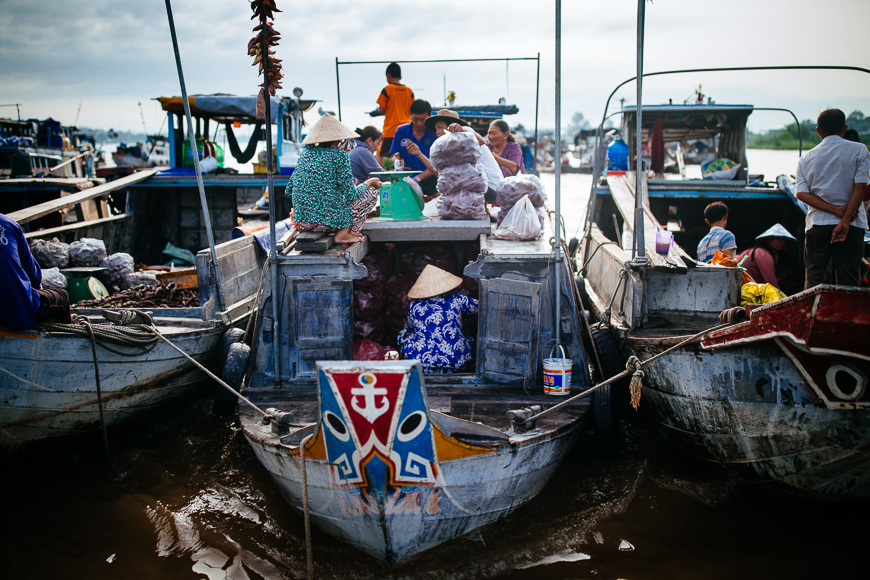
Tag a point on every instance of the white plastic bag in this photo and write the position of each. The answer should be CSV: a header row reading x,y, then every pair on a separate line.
x,y
521,223
87,252
51,253
490,166
52,278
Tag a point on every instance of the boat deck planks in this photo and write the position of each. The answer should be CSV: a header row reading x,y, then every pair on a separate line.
x,y
37,211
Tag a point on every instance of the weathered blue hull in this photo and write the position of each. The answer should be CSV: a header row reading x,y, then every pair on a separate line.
x,y
48,383
749,410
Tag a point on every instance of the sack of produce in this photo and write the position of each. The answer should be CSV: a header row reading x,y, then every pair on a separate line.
x,y
415,258
464,176
52,278
521,223
464,205
118,267
454,149
87,252
379,263
511,189
366,349
145,277
370,329
50,254
368,303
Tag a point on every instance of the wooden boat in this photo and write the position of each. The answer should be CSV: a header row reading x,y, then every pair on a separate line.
x,y
779,399
394,467
153,153
48,387
481,466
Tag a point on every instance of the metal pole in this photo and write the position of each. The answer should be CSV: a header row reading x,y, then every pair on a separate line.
x,y
537,100
338,88
639,242
273,256
558,244
192,137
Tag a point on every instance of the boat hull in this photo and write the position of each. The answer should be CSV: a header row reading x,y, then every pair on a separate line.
x,y
48,384
749,409
393,523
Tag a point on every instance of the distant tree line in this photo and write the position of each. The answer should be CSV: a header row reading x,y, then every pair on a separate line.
x,y
787,137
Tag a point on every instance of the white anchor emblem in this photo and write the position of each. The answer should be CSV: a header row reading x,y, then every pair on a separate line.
x,y
368,392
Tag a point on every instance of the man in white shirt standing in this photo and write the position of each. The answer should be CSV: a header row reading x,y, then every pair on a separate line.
x,y
831,179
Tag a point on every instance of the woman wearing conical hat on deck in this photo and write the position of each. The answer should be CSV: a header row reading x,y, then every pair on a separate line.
x,y
322,189
760,261
434,333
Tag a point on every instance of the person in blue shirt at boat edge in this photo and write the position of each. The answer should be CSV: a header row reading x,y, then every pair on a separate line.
x,y
716,216
24,302
417,133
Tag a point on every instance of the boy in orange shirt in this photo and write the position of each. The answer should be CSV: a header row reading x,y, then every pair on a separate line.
x,y
394,102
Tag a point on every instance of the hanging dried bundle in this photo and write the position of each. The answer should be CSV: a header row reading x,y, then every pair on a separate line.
x,y
260,48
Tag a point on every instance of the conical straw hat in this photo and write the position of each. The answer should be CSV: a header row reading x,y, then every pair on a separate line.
x,y
432,282
328,128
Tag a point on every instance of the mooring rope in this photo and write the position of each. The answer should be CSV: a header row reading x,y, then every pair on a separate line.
x,y
309,558
135,334
633,367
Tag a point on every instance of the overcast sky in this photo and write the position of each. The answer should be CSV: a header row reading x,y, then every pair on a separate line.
x,y
91,62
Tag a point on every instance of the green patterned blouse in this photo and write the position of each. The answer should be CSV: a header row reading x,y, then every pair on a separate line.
x,y
322,188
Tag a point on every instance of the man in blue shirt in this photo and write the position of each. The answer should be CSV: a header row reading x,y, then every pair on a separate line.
x,y
416,132
23,302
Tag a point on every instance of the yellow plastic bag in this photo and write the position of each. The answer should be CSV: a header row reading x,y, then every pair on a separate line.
x,y
754,293
729,262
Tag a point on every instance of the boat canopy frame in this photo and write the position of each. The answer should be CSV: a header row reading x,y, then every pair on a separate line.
x,y
537,59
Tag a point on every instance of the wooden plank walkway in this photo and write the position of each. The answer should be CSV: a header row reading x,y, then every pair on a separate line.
x,y
29,214
622,190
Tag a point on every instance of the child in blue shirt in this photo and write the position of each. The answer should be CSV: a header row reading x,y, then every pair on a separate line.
x,y
716,216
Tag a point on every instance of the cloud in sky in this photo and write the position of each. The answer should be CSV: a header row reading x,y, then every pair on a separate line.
x,y
106,57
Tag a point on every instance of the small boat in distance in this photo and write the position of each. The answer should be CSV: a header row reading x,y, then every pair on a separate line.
x,y
153,153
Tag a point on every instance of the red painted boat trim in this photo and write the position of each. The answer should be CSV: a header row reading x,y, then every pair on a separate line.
x,y
821,320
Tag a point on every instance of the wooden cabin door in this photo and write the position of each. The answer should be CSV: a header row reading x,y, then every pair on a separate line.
x,y
508,329
320,323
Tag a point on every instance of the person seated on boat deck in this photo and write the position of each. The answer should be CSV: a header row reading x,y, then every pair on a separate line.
x,y
362,157
716,216
761,259
832,178
415,132
24,302
507,152
322,191
434,333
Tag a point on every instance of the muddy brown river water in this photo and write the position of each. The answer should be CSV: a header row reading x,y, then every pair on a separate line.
x,y
192,502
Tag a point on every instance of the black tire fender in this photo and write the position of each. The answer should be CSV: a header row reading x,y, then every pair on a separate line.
x,y
233,372
608,433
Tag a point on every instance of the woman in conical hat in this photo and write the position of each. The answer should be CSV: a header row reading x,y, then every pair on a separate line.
x,y
322,189
761,259
434,333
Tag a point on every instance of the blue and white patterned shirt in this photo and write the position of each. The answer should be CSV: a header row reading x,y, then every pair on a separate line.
x,y
718,239
434,335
